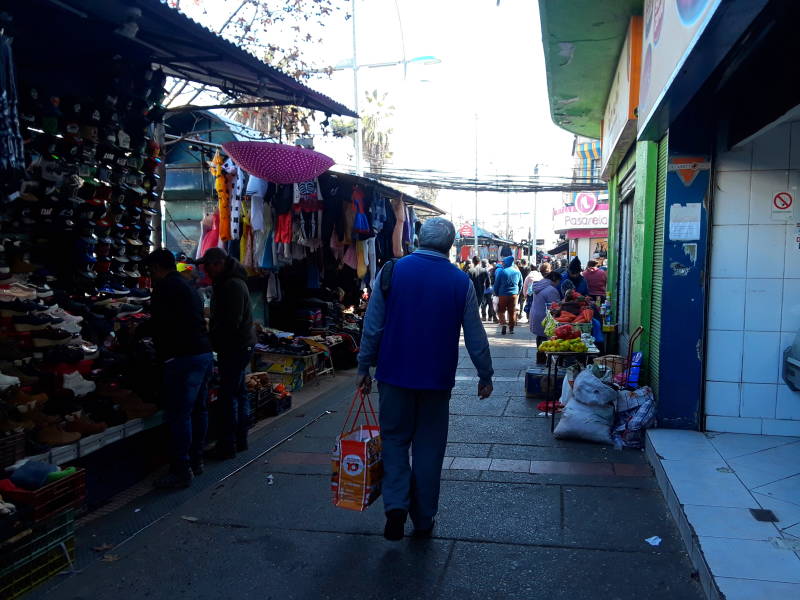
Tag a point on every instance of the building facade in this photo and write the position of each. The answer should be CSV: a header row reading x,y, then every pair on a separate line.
x,y
700,151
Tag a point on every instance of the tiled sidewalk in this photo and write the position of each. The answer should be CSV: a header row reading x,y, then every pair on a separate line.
x,y
717,487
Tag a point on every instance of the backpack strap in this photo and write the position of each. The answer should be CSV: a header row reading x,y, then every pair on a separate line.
x,y
386,276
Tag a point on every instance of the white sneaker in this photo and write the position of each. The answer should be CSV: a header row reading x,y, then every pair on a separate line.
x,y
78,385
7,381
68,326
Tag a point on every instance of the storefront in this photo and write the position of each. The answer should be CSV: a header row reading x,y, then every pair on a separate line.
x,y
82,159
585,225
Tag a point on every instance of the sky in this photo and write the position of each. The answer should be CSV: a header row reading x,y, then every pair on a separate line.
x,y
490,87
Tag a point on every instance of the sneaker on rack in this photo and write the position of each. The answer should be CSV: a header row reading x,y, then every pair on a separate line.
x,y
125,310
7,381
70,326
35,322
54,435
139,295
17,291
64,355
85,426
79,386
57,312
50,337
19,307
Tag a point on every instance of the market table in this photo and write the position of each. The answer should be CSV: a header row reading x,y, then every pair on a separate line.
x,y
554,361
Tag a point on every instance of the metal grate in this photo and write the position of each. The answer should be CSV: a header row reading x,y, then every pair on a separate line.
x,y
658,264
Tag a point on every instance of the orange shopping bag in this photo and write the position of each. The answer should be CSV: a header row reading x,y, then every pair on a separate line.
x,y
357,466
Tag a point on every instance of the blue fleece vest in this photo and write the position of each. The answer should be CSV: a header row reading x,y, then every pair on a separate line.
x,y
424,313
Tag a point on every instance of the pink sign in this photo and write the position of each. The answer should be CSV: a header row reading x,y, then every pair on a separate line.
x,y
586,203
579,234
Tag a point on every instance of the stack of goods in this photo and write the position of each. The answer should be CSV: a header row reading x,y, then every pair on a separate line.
x,y
37,524
565,338
266,398
270,342
75,225
573,309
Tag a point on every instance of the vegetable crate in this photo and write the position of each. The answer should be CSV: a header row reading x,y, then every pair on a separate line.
x,y
37,554
54,498
12,448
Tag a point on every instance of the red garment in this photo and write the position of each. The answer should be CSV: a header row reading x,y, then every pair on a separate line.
x,y
283,229
211,239
596,281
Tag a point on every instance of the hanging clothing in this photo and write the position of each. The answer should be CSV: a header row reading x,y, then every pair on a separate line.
x,y
12,154
377,211
399,209
211,239
283,229
223,195
274,292
351,257
257,190
372,262
361,259
360,223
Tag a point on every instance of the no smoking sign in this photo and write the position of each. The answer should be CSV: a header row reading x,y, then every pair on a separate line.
x,y
782,206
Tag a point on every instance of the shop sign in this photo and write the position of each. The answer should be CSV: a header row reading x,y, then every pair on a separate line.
x,y
586,203
782,206
568,217
619,119
671,29
687,167
580,234
466,231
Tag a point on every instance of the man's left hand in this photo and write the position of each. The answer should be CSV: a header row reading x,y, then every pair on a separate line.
x,y
365,384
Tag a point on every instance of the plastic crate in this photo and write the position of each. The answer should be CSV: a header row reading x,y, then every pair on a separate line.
x,y
12,448
54,498
35,541
36,570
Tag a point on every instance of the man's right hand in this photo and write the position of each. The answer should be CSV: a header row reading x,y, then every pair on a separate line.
x,y
365,384
484,391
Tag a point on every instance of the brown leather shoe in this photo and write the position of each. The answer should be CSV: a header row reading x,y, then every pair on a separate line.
x,y
27,402
85,426
54,435
135,407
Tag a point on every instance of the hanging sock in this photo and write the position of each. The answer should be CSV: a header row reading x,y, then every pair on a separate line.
x,y
360,222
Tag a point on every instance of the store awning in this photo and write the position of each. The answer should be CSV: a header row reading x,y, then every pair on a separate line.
x,y
562,247
582,40
181,46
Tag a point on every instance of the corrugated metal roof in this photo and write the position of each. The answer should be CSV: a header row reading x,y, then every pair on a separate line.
x,y
181,46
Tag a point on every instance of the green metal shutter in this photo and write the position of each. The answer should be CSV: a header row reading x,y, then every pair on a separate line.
x,y
658,263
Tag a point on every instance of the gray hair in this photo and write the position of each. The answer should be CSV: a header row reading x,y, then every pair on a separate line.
x,y
437,234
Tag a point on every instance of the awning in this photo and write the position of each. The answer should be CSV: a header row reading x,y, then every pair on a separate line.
x,y
589,151
562,247
181,46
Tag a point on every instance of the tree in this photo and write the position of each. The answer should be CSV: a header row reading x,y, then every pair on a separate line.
x,y
375,132
281,33
427,193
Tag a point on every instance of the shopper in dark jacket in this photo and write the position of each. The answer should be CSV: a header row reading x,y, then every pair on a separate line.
x,y
233,338
479,275
178,329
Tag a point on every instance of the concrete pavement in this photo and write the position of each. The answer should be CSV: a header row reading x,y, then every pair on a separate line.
x,y
522,516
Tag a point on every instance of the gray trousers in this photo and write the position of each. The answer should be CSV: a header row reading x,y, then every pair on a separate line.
x,y
416,419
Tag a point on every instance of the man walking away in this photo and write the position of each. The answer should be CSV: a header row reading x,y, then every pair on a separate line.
x,y
524,270
507,286
233,339
527,288
411,333
596,281
178,329
480,279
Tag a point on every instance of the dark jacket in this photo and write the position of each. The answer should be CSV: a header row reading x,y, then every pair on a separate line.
x,y
177,324
231,312
480,279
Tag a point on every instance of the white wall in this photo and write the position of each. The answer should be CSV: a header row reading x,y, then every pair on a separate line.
x,y
754,310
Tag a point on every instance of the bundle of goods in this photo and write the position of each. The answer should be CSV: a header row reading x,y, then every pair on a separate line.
x,y
267,398
565,338
573,309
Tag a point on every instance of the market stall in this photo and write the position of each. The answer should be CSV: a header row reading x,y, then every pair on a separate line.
x,y
81,161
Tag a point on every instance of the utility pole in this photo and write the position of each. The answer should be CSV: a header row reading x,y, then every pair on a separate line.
x,y
356,93
477,253
535,196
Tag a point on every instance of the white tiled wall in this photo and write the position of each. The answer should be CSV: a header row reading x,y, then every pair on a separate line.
x,y
754,295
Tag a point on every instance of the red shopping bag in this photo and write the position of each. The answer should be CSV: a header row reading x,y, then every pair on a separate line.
x,y
357,466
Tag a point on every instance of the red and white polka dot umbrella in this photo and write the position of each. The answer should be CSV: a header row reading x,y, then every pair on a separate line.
x,y
278,163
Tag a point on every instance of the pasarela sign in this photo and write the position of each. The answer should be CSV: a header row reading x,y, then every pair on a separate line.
x,y
570,217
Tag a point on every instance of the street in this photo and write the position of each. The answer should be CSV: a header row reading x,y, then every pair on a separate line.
x,y
522,516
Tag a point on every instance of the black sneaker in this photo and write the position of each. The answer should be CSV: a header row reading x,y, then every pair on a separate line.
x,y
50,337
34,322
511,330
503,330
424,534
394,530
198,467
64,354
20,307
